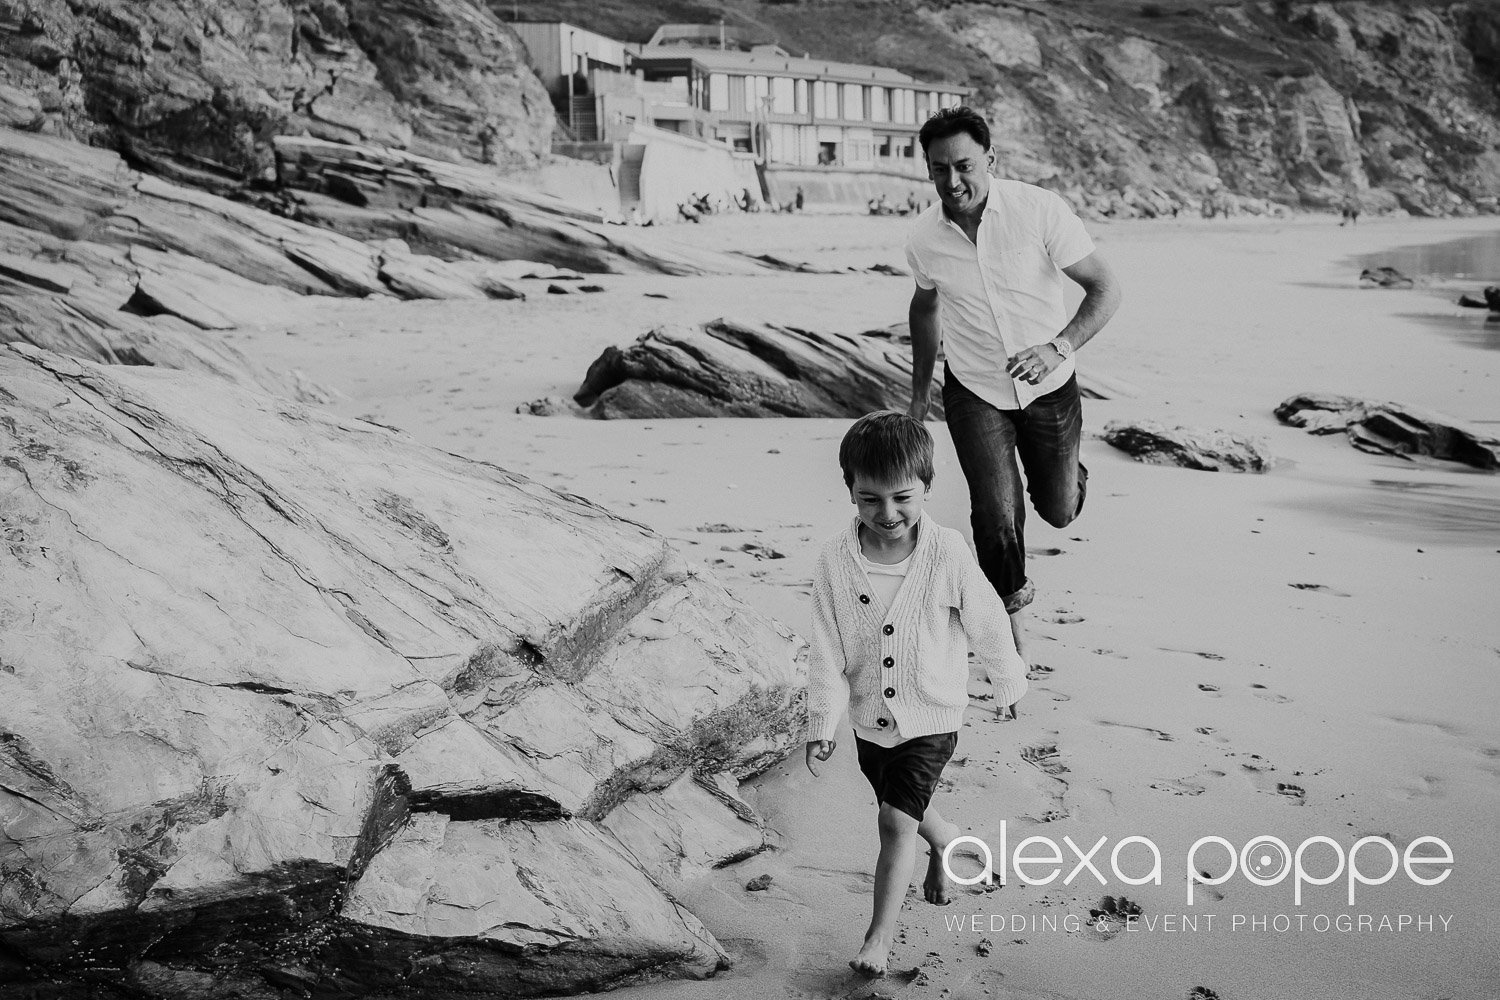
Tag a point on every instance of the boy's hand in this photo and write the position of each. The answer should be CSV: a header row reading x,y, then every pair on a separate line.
x,y
820,750
1007,713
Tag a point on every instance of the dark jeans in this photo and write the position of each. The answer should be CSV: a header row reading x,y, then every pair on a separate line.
x,y
1047,437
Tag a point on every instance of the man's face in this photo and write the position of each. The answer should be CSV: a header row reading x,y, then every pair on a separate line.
x,y
960,170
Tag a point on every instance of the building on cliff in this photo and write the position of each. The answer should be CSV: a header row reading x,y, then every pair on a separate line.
x,y
743,115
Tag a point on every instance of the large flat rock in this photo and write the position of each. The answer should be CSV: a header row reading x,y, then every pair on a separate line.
x,y
244,645
727,368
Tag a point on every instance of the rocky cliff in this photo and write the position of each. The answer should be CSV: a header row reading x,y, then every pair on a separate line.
x,y
1136,108
197,89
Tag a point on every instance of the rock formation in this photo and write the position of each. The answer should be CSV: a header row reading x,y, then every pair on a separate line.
x,y
1192,448
457,210
1147,109
731,369
1392,428
1384,277
265,730
197,89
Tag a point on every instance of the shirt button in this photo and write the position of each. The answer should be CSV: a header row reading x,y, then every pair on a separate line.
x,y
888,629
889,661
890,692
881,723
864,598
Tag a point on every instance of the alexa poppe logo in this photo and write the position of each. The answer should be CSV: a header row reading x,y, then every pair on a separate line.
x,y
1298,873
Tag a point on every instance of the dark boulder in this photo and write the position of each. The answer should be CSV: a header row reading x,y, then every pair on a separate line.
x,y
1391,428
1384,277
1191,448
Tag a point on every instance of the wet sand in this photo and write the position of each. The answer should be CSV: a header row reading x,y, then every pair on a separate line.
x,y
1310,652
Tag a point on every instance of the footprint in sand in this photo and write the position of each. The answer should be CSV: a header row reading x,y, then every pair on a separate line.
x,y
1180,786
1044,757
1202,992
1111,652
1062,617
1205,889
1424,787
1259,773
1044,552
1111,915
1264,695
1212,689
1294,792
1318,588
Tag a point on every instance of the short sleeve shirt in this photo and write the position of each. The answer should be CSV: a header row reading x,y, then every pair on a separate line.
x,y
1006,293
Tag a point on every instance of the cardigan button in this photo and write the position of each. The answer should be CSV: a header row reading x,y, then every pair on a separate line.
x,y
890,692
888,629
889,661
881,723
864,598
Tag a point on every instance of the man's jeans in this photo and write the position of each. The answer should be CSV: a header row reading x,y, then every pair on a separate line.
x,y
1046,435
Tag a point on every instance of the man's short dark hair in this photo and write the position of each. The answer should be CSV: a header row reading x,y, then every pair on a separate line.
x,y
947,122
888,446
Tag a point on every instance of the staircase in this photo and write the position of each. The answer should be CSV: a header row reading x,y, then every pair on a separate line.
x,y
585,122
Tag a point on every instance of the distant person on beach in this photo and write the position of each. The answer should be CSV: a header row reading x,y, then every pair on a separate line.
x,y
898,603
799,197
1350,211
990,262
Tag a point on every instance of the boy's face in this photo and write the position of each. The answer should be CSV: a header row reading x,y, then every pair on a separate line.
x,y
888,510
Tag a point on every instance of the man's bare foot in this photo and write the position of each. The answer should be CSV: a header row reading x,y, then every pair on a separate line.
x,y
871,960
936,887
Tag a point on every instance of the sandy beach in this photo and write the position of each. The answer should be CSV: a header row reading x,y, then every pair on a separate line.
x,y
1312,652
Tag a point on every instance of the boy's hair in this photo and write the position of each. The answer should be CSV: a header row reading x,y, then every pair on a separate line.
x,y
886,445
950,121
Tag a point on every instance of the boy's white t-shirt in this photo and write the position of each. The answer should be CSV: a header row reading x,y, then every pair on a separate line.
x,y
885,580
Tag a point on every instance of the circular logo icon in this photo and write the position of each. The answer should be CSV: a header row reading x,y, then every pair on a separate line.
x,y
1266,860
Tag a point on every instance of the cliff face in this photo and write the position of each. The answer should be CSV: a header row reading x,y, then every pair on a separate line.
x,y
198,88
1296,103
1134,107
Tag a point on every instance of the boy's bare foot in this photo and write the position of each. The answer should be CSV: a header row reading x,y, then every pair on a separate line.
x,y
1018,632
937,889
871,960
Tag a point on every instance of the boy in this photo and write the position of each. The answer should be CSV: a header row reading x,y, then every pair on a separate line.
x,y
898,601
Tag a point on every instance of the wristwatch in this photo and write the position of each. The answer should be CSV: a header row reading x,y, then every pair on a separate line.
x,y
1063,348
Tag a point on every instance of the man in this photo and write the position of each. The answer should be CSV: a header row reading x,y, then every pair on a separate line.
x,y
989,261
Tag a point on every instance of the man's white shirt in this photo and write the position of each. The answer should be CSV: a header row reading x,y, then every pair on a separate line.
x,y
1006,293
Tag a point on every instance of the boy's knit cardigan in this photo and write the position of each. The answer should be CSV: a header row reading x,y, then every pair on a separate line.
x,y
910,664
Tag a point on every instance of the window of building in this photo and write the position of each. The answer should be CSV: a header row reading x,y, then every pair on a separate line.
x,y
801,97
825,99
783,96
854,102
718,92
760,89
880,108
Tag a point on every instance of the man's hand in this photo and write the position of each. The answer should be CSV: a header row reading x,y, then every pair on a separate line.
x,y
819,750
1033,364
918,408
1007,713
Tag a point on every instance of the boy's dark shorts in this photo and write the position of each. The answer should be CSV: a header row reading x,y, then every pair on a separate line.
x,y
906,775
